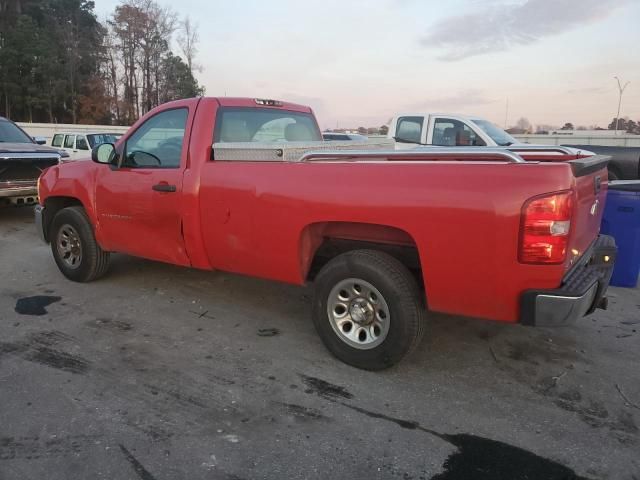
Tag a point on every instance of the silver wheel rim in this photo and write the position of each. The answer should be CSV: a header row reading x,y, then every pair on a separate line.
x,y
358,313
69,246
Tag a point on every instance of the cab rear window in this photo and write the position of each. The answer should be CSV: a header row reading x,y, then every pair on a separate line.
x,y
264,125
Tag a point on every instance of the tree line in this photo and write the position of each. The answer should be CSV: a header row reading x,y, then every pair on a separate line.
x,y
624,125
60,64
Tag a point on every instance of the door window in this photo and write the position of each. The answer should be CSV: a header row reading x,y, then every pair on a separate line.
x,y
57,140
409,129
69,140
157,143
450,132
81,143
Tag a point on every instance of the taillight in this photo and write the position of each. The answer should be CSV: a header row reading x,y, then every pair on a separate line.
x,y
546,223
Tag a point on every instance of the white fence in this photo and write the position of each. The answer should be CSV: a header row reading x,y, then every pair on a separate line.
x,y
603,140
47,130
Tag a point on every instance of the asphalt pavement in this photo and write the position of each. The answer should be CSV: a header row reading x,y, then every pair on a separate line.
x,y
157,372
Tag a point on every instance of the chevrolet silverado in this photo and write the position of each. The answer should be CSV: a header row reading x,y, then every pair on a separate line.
x,y
386,236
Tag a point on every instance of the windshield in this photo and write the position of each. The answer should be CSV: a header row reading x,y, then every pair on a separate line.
x,y
265,125
100,138
498,135
10,133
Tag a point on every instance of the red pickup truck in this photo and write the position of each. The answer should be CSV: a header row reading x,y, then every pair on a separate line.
x,y
246,186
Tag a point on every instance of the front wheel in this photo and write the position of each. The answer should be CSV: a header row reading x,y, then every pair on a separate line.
x,y
74,247
368,309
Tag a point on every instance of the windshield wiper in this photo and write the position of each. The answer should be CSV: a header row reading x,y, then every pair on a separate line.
x,y
506,144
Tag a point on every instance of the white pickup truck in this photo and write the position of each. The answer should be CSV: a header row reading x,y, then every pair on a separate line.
x,y
443,129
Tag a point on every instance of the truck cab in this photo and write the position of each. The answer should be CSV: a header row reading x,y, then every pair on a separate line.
x,y
446,130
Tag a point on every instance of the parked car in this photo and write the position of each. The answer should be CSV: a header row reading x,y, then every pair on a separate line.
x,y
387,236
354,137
79,145
22,161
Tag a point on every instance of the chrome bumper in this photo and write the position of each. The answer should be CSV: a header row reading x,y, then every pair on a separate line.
x,y
39,214
559,310
18,189
583,290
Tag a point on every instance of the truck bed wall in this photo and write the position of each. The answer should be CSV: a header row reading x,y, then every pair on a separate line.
x,y
258,218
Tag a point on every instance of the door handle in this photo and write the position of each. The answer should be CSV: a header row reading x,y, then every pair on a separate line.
x,y
164,187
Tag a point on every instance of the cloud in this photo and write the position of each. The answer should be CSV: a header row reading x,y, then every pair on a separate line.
x,y
501,27
462,99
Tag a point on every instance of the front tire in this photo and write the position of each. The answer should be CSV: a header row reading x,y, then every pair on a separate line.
x,y
74,246
368,309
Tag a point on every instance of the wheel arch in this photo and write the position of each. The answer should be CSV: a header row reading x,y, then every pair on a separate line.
x,y
322,241
52,206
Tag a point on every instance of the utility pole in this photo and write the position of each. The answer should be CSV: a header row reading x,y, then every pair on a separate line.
x,y
621,91
506,114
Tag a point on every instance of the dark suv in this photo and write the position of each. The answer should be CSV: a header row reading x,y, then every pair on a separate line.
x,y
22,160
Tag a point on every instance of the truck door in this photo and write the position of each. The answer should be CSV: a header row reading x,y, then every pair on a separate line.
x,y
69,145
82,147
445,131
139,204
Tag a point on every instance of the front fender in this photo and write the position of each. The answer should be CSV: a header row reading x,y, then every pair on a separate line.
x,y
68,184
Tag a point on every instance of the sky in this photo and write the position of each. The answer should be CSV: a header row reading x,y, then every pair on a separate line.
x,y
359,62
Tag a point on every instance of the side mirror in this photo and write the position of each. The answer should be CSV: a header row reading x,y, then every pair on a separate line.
x,y
40,140
104,153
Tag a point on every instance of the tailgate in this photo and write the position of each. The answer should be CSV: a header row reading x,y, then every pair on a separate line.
x,y
591,190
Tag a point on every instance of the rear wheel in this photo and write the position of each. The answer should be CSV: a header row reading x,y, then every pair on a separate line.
x,y
368,309
74,247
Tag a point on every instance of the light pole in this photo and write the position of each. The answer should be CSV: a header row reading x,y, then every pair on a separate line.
x,y
621,90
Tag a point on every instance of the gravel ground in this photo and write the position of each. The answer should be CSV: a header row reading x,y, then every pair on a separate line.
x,y
157,372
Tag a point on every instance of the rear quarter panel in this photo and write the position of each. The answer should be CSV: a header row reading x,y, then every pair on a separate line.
x,y
463,217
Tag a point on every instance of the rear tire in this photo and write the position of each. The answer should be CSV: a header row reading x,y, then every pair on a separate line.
x,y
368,309
74,246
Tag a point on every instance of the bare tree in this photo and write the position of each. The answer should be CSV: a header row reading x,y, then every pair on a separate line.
x,y
187,41
160,24
143,30
111,72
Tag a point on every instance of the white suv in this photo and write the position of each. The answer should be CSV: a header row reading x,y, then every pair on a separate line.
x,y
79,145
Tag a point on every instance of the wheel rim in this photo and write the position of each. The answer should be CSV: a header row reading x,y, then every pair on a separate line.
x,y
69,246
358,313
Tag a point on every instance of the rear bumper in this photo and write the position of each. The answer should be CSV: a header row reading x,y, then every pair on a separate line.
x,y
583,289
